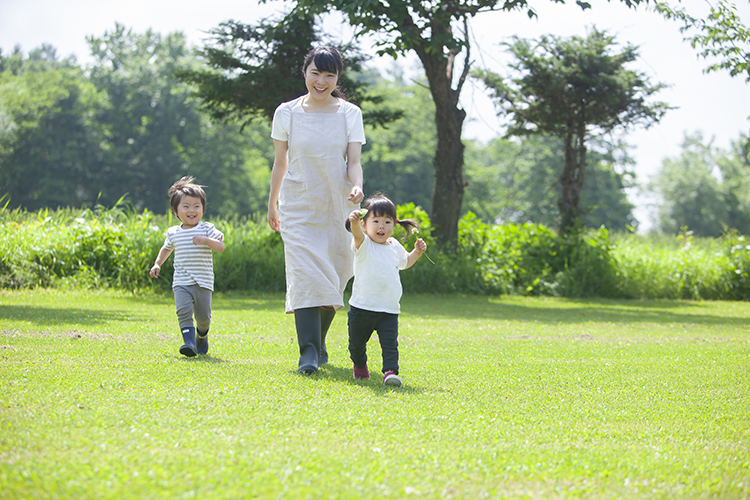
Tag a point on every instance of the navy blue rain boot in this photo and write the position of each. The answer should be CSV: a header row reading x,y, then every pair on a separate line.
x,y
201,342
188,335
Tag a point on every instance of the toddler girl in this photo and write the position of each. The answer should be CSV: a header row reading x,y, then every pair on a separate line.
x,y
377,286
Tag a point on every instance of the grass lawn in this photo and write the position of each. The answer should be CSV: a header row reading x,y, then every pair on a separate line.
x,y
504,397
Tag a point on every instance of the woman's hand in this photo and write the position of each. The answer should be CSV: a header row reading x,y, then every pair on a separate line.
x,y
273,218
356,195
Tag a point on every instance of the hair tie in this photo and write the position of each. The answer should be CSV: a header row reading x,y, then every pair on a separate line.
x,y
397,221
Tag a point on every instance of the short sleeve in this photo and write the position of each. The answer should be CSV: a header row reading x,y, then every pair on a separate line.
x,y
213,233
282,119
355,124
403,255
168,244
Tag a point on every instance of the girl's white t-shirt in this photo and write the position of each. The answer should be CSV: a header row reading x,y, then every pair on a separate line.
x,y
282,120
377,284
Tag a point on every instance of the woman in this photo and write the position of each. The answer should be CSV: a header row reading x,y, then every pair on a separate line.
x,y
316,182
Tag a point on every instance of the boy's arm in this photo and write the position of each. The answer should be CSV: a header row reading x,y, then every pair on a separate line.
x,y
419,248
356,228
217,245
164,253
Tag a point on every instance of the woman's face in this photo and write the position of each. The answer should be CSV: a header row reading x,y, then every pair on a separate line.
x,y
320,84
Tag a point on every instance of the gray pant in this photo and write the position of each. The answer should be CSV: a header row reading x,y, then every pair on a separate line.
x,y
193,299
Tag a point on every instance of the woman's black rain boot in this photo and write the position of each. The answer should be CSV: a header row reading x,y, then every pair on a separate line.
x,y
307,321
326,318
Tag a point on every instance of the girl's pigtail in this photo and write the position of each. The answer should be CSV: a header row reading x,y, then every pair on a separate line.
x,y
409,225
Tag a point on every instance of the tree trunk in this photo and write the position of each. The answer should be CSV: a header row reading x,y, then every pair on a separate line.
x,y
571,181
449,157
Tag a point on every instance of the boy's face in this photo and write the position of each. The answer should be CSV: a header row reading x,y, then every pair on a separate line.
x,y
190,211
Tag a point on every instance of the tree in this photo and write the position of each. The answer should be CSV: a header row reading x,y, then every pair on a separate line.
x,y
252,69
437,31
573,89
690,194
397,159
512,181
48,139
720,35
705,188
150,118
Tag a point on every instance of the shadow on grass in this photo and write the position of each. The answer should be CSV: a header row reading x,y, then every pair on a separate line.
x,y
329,371
52,316
556,311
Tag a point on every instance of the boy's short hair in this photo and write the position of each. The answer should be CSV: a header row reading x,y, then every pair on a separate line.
x,y
186,187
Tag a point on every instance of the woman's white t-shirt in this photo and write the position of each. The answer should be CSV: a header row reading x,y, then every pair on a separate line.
x,y
282,119
377,284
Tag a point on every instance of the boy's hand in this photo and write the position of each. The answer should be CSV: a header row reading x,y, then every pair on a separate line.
x,y
420,246
200,240
154,272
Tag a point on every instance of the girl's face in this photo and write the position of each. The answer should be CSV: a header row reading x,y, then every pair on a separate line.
x,y
379,227
320,84
190,211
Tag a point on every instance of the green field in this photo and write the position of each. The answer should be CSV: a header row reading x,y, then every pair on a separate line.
x,y
507,397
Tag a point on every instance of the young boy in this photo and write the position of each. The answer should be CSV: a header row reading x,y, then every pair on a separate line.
x,y
193,281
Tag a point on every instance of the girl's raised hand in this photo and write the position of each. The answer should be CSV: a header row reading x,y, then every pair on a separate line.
x,y
420,246
355,216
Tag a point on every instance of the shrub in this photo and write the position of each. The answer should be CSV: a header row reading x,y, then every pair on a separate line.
x,y
116,248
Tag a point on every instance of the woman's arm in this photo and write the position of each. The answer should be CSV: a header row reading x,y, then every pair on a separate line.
x,y
354,170
277,175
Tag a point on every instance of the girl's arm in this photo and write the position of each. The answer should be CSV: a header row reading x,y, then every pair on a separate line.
x,y
164,253
277,175
354,169
356,228
419,248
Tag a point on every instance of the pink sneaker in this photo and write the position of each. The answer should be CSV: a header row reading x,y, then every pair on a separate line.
x,y
361,373
390,378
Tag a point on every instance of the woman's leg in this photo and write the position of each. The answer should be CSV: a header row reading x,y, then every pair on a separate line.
x,y
308,324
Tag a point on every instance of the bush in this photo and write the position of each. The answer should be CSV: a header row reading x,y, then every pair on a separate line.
x,y
116,248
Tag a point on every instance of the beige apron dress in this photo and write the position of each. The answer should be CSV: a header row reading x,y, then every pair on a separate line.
x,y
313,209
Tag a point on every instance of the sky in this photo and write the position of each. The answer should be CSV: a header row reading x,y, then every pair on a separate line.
x,y
715,104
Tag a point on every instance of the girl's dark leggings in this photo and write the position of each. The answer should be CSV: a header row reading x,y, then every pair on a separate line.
x,y
361,325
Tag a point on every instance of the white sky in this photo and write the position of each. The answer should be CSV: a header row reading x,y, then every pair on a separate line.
x,y
716,104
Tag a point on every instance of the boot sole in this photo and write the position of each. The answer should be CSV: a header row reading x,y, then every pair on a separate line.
x,y
188,351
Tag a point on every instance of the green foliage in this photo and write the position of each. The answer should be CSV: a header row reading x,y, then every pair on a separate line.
x,y
48,146
103,248
737,276
397,159
705,188
572,88
249,70
719,36
517,181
